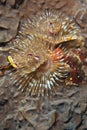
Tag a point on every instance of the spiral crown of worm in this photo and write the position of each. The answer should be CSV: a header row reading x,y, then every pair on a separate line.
x,y
43,56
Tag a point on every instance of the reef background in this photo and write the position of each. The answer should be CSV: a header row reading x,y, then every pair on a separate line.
x,y
68,109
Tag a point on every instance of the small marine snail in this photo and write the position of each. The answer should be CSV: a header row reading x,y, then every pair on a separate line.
x,y
43,56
